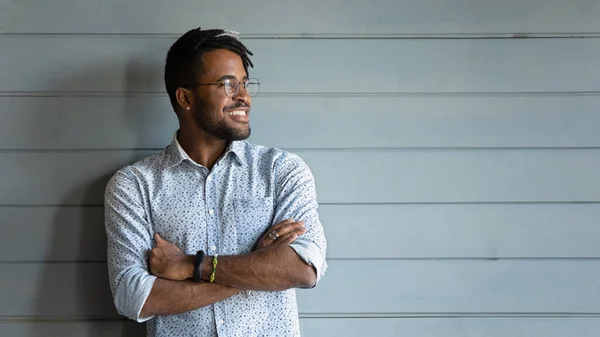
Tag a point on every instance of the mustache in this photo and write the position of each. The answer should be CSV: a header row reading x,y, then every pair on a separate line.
x,y
235,106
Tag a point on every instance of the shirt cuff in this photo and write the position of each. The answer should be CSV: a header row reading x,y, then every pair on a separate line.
x,y
310,252
131,296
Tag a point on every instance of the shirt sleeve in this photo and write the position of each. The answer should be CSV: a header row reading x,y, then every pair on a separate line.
x,y
296,198
129,240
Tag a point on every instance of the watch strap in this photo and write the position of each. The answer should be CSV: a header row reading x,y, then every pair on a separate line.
x,y
198,266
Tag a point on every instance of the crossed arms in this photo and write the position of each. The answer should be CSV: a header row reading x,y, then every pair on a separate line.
x,y
272,266
149,280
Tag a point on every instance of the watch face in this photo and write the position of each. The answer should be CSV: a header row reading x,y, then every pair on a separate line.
x,y
199,257
197,266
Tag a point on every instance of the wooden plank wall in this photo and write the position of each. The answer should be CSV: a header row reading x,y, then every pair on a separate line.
x,y
455,146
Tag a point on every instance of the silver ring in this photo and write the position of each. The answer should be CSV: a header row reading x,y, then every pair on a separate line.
x,y
273,235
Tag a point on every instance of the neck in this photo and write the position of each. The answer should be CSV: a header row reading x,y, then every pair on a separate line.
x,y
202,148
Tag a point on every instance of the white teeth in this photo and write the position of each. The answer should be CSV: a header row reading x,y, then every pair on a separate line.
x,y
237,113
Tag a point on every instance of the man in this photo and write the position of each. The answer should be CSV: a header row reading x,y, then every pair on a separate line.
x,y
211,236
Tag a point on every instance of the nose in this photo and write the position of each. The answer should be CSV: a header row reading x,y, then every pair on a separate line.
x,y
242,95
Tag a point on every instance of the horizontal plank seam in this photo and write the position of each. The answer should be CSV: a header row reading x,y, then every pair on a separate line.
x,y
529,259
556,202
473,315
500,203
79,94
453,315
331,36
319,149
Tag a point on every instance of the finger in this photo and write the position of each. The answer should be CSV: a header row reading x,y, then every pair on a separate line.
x,y
158,238
265,237
265,243
289,227
287,239
282,228
268,240
295,234
300,231
276,228
264,240
281,224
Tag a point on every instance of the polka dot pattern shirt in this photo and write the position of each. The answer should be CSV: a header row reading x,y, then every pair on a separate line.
x,y
222,211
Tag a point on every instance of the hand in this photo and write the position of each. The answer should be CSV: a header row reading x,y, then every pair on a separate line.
x,y
287,231
169,262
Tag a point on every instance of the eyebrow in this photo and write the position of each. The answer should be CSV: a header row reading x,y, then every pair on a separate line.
x,y
230,77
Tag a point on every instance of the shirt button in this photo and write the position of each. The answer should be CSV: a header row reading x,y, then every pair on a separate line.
x,y
221,322
213,248
211,211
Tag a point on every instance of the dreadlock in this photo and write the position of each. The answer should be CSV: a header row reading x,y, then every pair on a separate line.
x,y
183,64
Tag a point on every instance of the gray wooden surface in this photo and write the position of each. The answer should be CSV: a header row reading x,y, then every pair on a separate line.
x,y
344,176
455,145
425,231
432,327
284,18
314,66
391,287
312,121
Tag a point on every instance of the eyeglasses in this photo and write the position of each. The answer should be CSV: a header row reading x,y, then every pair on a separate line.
x,y
232,86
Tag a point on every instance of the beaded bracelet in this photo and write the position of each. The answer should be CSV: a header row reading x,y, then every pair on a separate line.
x,y
214,263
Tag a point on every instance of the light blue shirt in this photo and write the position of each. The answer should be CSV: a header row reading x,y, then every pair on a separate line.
x,y
222,211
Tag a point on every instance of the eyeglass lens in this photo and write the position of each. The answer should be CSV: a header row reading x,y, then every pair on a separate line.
x,y
233,86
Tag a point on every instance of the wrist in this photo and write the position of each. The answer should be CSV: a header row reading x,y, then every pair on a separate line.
x,y
189,266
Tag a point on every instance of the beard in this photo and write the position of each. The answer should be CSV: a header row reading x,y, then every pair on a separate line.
x,y
214,123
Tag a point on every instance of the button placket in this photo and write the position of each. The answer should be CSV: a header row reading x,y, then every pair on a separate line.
x,y
219,321
211,221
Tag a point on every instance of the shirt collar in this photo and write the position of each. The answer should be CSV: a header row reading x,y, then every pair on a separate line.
x,y
175,154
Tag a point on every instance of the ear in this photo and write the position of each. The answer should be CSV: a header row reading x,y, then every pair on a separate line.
x,y
184,98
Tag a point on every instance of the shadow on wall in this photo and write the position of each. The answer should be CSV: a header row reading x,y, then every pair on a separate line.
x,y
74,287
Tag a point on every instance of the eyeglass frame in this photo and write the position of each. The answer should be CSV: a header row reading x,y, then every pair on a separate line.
x,y
222,83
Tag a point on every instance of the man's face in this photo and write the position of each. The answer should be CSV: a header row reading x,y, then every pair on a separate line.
x,y
221,116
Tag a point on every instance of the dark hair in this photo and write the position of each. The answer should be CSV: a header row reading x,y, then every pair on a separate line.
x,y
183,64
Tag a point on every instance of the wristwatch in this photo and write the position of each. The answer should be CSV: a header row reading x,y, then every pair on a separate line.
x,y
198,266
